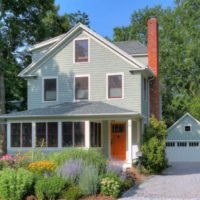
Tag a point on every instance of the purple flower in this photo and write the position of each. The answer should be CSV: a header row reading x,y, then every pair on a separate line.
x,y
71,169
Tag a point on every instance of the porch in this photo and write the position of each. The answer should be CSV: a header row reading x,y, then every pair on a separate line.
x,y
116,133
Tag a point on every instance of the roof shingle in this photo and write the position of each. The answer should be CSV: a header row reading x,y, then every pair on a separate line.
x,y
94,108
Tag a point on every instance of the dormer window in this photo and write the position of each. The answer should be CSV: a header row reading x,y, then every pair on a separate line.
x,y
187,128
81,50
82,87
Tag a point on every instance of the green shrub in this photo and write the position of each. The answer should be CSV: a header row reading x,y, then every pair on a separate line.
x,y
15,184
90,156
50,188
88,180
73,193
110,186
153,159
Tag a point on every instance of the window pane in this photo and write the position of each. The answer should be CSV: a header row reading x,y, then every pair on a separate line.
x,y
79,134
67,134
15,135
49,89
41,134
115,86
81,51
26,135
81,88
52,134
95,134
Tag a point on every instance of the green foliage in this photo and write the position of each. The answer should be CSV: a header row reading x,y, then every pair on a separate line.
x,y
89,179
179,56
23,23
73,193
110,186
15,184
153,148
50,188
194,107
89,157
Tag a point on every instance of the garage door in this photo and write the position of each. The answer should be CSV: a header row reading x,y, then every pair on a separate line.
x,y
183,151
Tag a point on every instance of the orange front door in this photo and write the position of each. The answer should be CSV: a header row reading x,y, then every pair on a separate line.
x,y
118,141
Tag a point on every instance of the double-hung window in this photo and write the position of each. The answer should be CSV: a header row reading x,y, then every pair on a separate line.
x,y
21,134
81,87
81,50
115,86
50,89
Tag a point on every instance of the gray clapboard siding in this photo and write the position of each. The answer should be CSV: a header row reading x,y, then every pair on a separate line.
x,y
178,133
102,61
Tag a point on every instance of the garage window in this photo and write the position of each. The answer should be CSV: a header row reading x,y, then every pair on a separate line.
x,y
170,144
187,128
193,144
182,144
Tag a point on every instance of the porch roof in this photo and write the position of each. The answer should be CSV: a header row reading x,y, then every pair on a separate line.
x,y
74,109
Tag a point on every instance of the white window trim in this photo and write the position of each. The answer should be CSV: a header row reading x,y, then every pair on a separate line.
x,y
78,76
190,128
84,38
49,77
111,74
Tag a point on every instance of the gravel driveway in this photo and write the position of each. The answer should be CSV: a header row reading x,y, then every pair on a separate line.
x,y
181,181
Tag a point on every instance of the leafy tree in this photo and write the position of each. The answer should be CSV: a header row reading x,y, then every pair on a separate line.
x,y
153,159
22,23
179,33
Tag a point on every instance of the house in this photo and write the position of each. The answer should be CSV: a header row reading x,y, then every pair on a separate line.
x,y
183,140
84,91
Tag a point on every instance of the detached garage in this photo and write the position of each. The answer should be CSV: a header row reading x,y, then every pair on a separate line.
x,y
183,140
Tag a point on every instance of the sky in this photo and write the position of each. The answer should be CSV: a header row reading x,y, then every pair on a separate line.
x,y
104,15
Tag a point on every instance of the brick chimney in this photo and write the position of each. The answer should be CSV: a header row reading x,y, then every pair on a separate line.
x,y
153,63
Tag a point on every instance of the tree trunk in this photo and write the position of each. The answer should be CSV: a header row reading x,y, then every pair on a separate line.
x,y
2,111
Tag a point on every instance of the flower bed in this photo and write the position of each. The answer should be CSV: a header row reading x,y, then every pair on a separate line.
x,y
68,175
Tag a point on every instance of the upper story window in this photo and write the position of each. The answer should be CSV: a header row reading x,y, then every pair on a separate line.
x,y
50,89
82,88
81,50
145,89
115,86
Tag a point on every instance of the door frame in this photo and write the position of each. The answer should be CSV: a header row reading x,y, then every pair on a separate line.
x,y
110,137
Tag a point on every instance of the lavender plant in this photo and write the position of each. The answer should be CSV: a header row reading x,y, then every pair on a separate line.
x,y
71,170
116,169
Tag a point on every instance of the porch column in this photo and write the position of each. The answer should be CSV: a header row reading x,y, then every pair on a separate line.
x,y
129,159
8,135
59,134
87,134
33,134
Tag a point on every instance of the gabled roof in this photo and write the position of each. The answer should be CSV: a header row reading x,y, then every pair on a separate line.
x,y
72,109
132,47
138,65
181,119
